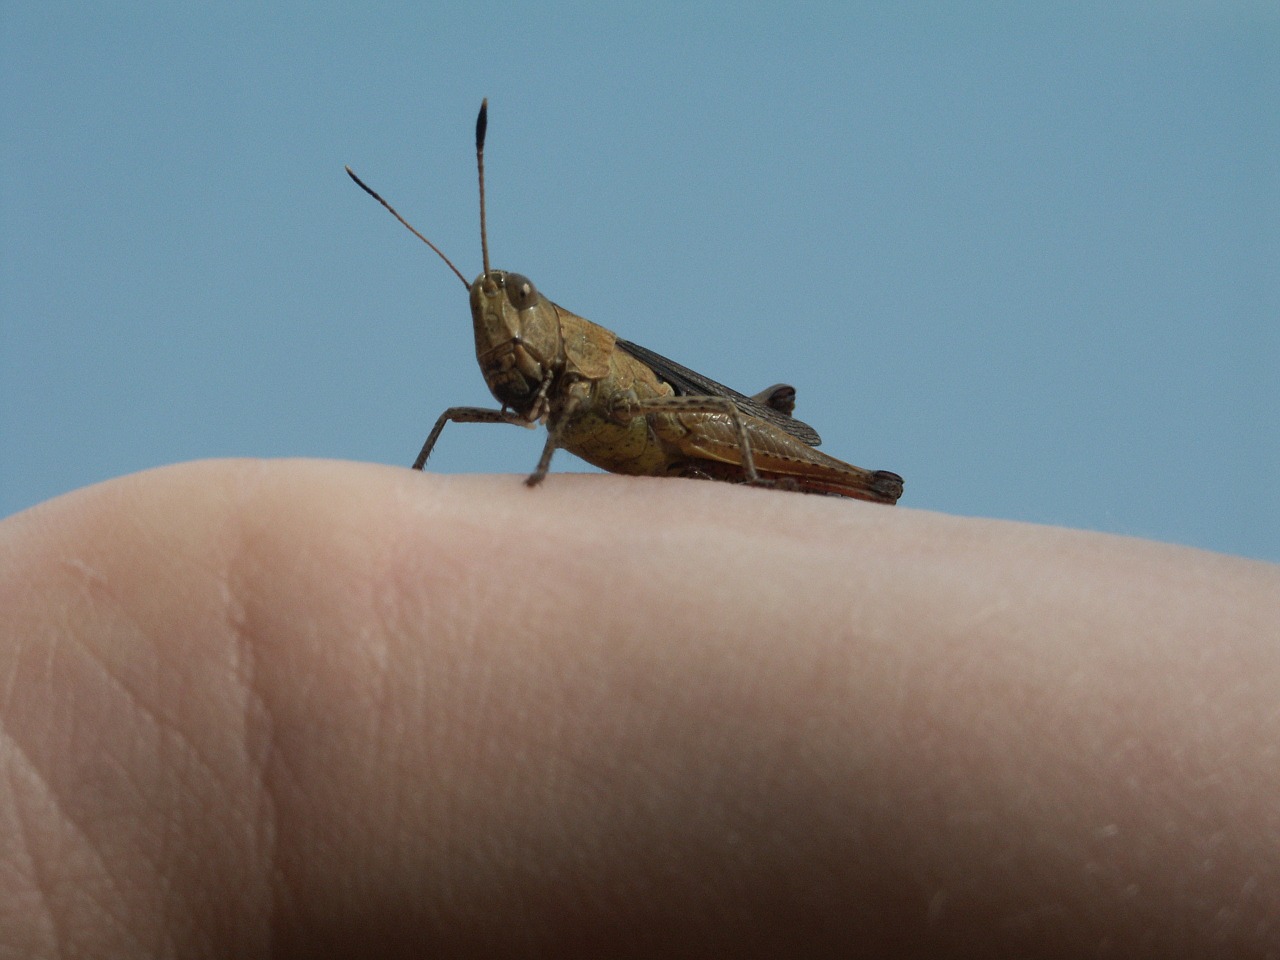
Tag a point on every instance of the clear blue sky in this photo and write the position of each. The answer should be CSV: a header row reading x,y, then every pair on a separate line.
x,y
1029,259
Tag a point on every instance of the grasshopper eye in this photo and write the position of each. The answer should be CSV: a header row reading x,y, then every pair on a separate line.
x,y
520,291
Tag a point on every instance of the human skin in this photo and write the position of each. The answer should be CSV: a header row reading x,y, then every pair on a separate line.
x,y
287,708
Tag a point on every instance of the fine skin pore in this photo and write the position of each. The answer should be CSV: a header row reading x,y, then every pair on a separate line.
x,y
290,708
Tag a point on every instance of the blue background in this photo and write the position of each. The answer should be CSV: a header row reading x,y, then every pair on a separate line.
x,y
1029,259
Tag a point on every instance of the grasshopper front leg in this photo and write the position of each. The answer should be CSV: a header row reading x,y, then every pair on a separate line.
x,y
468,415
536,410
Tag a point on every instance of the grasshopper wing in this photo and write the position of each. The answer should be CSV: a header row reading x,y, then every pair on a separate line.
x,y
686,382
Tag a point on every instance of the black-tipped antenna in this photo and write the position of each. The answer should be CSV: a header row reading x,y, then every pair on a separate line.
x,y
482,123
365,187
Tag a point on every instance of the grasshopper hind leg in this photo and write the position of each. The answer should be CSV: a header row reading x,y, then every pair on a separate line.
x,y
726,473
631,408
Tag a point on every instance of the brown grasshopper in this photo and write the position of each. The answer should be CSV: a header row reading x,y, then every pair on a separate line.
x,y
623,407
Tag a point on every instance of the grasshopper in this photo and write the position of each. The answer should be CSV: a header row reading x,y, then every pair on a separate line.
x,y
621,406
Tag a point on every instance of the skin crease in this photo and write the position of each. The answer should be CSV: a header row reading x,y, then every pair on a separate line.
x,y
295,708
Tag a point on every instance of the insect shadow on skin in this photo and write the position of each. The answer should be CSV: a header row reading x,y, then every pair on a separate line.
x,y
621,406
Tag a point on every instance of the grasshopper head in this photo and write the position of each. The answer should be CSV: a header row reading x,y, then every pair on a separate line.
x,y
518,342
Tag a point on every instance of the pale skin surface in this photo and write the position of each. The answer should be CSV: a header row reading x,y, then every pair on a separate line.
x,y
285,708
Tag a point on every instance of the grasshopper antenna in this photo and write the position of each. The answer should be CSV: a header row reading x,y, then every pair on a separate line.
x,y
440,253
482,124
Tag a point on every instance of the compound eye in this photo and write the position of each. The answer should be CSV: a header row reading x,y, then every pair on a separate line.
x,y
520,291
